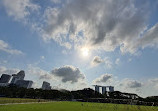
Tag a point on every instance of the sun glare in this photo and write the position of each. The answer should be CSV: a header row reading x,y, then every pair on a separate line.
x,y
85,52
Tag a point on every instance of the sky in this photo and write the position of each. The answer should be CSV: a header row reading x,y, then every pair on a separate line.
x,y
74,44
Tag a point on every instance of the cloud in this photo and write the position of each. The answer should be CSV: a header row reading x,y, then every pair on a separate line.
x,y
35,85
42,57
150,38
117,61
42,74
19,9
142,88
38,75
64,52
107,62
104,24
5,70
134,84
6,48
154,82
129,83
68,73
45,76
103,78
97,60
56,1
130,59
99,25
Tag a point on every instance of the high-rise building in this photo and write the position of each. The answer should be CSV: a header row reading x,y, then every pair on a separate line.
x,y
103,90
46,86
97,88
5,78
4,84
111,89
19,76
24,83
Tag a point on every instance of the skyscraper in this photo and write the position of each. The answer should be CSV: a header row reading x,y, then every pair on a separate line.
x,y
103,90
5,78
46,86
24,83
111,88
19,76
97,88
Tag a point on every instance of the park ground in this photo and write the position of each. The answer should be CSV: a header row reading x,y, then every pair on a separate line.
x,y
72,106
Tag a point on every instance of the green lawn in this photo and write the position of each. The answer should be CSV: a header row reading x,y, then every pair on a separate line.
x,y
18,100
75,106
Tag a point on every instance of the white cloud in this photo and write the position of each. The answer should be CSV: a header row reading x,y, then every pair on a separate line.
x,y
129,83
129,60
117,61
60,78
150,38
103,78
40,73
134,84
103,26
64,52
108,62
42,57
154,83
5,70
56,1
124,85
97,60
148,87
6,48
19,9
35,85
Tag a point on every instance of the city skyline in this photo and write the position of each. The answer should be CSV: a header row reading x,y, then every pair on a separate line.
x,y
74,44
15,79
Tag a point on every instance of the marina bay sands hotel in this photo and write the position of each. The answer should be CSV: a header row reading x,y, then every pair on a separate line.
x,y
104,88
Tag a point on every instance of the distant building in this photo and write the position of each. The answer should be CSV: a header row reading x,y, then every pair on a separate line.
x,y
5,78
19,76
111,89
4,84
46,86
103,90
24,83
97,88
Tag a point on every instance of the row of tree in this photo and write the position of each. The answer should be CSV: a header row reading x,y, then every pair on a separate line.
x,y
13,91
19,92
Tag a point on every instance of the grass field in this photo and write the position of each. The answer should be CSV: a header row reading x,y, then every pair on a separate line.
x,y
18,100
75,106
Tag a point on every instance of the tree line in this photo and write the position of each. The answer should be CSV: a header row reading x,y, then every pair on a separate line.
x,y
13,91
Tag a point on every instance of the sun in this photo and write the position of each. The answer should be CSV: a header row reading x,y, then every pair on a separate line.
x,y
85,52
